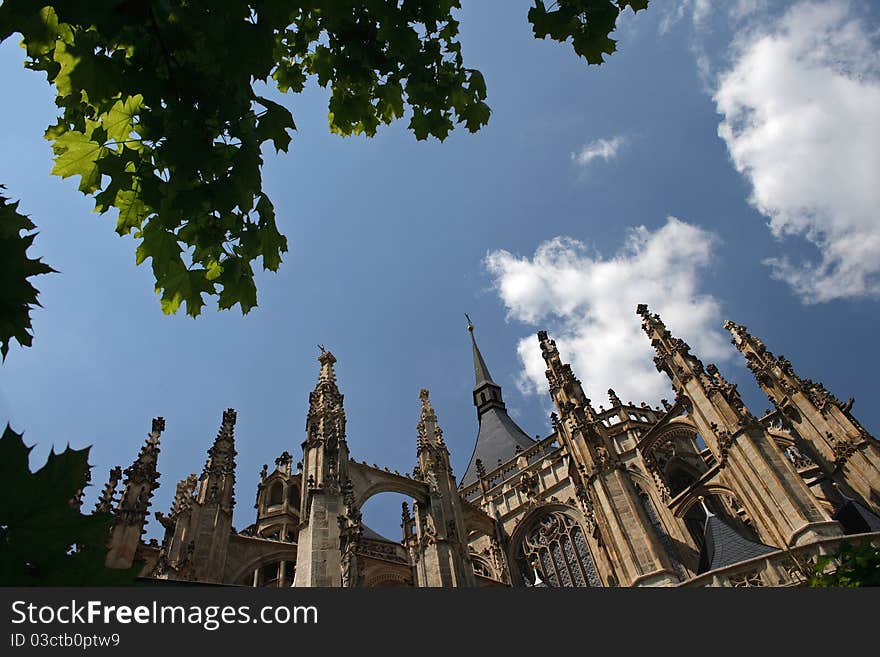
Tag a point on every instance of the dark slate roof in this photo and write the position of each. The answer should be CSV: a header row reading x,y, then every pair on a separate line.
x,y
498,438
856,518
723,546
371,535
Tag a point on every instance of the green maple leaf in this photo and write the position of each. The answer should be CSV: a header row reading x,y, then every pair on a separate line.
x,y
119,122
45,540
272,243
132,210
77,155
18,296
185,286
274,123
237,281
588,23
159,244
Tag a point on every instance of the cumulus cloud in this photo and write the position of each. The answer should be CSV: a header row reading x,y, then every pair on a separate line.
x,y
800,106
605,149
588,303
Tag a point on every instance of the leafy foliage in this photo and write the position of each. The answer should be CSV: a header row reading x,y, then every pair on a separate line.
x,y
854,565
18,296
588,23
44,538
159,117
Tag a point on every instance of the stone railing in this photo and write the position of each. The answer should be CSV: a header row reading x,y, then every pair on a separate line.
x,y
780,568
505,470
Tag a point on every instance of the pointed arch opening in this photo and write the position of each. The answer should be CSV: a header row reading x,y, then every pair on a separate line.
x,y
550,548
275,496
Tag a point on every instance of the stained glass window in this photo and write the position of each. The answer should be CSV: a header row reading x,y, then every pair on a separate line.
x,y
555,544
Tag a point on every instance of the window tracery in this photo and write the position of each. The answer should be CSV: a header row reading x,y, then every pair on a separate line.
x,y
556,546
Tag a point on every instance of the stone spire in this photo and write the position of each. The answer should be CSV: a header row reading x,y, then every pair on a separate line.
x,y
326,510
430,434
106,501
487,393
141,479
686,371
565,387
217,483
210,519
439,520
836,440
608,496
326,418
784,508
481,371
499,436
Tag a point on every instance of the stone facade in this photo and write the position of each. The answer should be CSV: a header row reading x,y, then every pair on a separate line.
x,y
698,492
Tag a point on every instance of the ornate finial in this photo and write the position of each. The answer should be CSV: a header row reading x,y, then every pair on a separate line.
x,y
615,400
481,469
470,324
651,321
326,374
229,417
105,502
322,348
282,463
158,424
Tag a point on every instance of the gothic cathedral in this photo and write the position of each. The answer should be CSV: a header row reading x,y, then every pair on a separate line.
x,y
699,492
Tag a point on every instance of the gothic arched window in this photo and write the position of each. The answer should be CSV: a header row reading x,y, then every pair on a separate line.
x,y
654,519
555,545
276,494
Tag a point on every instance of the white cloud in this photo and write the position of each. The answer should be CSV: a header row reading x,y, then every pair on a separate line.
x,y
588,303
702,12
605,149
800,109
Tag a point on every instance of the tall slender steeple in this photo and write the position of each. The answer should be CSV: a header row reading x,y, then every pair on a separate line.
x,y
609,499
215,497
487,393
499,437
130,516
785,510
439,522
837,442
330,527
217,483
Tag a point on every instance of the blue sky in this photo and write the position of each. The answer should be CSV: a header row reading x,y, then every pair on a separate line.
x,y
392,240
